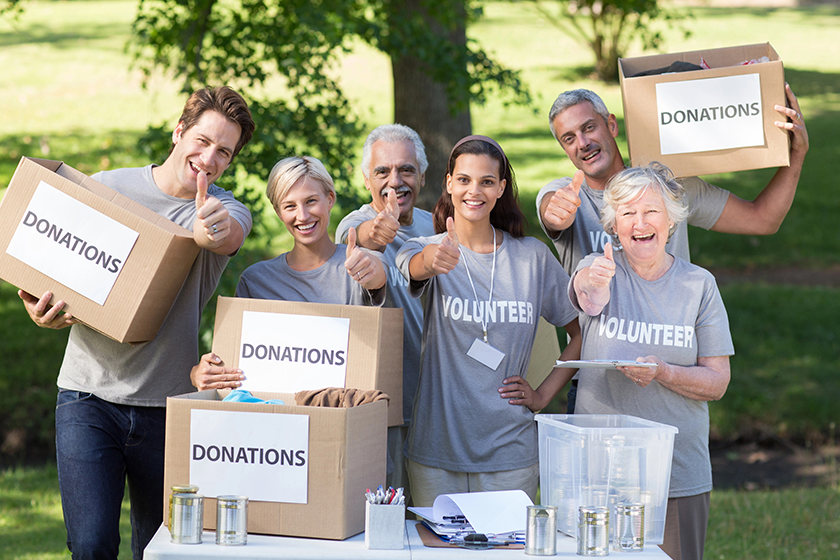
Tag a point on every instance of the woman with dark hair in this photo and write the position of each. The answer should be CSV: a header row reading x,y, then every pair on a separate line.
x,y
486,286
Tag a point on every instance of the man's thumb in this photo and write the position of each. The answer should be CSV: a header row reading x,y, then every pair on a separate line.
x,y
201,190
393,205
577,181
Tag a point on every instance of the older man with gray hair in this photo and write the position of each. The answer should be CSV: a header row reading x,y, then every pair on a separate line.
x,y
394,167
569,211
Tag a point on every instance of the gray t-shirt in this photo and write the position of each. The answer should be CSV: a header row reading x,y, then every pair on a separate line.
x,y
398,296
642,319
461,423
586,234
329,283
145,374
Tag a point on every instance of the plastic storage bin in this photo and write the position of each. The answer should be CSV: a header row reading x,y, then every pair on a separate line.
x,y
604,460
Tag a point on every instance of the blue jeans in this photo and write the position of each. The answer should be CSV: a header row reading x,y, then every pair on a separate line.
x,y
98,445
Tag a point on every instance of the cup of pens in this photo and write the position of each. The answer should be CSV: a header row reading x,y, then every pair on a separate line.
x,y
385,519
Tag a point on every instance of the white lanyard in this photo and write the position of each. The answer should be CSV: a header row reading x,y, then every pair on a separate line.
x,y
492,276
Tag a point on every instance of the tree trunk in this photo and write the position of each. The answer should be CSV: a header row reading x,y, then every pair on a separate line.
x,y
423,105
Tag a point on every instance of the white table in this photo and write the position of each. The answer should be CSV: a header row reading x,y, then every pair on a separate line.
x,y
294,548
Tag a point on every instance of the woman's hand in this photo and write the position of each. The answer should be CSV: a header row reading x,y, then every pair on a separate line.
x,y
439,258
210,373
362,267
592,284
519,392
642,376
707,381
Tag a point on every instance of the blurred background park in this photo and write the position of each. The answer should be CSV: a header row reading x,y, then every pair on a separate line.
x,y
100,84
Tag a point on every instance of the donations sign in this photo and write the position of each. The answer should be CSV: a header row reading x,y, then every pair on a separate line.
x,y
72,243
285,353
710,114
259,455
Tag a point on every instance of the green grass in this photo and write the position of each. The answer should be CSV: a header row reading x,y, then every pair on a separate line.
x,y
770,525
31,523
71,95
775,525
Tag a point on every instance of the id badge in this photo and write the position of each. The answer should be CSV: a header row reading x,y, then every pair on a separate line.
x,y
486,354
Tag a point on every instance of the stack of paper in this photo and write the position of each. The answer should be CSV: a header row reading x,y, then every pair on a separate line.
x,y
496,514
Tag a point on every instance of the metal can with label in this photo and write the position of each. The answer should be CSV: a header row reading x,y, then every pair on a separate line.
x,y
593,537
541,531
187,518
629,525
232,520
179,489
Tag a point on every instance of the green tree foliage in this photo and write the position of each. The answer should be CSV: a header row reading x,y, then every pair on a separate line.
x,y
281,54
608,27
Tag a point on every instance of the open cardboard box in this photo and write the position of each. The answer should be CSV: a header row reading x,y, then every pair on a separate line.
x,y
373,358
342,453
117,265
706,121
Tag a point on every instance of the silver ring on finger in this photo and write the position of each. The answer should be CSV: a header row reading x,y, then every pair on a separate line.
x,y
215,228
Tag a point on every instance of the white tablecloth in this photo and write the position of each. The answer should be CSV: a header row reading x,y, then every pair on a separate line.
x,y
292,548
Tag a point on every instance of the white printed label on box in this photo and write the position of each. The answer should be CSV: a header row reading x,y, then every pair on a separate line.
x,y
710,114
72,243
285,353
262,456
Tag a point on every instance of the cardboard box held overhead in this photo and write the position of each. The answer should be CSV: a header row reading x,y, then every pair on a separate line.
x,y
305,469
117,265
706,121
286,346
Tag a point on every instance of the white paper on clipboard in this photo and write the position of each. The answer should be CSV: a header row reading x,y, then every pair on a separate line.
x,y
601,364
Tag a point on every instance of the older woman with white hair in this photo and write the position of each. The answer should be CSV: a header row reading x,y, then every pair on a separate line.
x,y
642,304
315,270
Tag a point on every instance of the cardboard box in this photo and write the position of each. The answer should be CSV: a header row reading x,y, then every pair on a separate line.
x,y
370,348
345,456
706,121
117,265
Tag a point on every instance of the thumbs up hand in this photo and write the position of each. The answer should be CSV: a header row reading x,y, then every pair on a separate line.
x,y
448,252
559,213
602,269
386,224
362,267
592,284
212,224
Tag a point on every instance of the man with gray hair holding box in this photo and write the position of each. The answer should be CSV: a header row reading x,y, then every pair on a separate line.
x,y
394,167
569,209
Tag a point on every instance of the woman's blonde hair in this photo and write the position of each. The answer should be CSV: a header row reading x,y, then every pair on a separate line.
x,y
287,172
628,184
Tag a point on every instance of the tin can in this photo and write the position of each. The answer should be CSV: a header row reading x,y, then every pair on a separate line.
x,y
593,538
187,518
629,525
232,520
179,489
541,531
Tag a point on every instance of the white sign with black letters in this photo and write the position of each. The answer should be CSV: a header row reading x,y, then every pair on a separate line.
x,y
259,455
286,353
710,114
72,243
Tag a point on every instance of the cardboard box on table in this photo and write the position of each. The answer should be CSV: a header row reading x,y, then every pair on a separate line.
x,y
706,121
343,451
117,265
345,456
374,346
